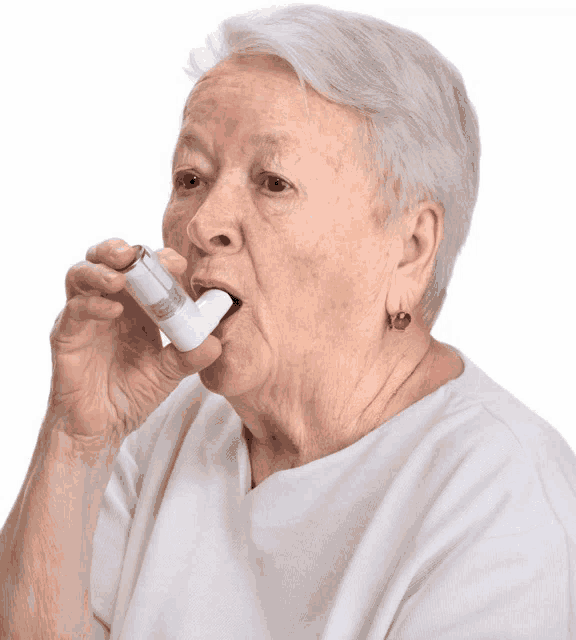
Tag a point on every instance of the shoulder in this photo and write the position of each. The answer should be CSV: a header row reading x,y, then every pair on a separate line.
x,y
494,516
501,454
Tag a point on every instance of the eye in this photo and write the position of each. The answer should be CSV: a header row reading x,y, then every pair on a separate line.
x,y
188,180
275,184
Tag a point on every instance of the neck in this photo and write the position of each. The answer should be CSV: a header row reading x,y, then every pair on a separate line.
x,y
295,426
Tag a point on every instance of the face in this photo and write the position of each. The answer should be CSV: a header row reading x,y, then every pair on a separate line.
x,y
277,202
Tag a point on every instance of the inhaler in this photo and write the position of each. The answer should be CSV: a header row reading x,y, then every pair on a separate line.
x,y
185,322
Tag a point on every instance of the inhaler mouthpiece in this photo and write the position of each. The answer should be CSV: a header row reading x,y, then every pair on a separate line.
x,y
185,322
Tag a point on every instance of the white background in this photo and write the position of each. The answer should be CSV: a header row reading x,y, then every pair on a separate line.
x,y
92,94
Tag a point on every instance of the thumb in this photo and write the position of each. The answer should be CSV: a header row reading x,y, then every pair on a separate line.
x,y
177,364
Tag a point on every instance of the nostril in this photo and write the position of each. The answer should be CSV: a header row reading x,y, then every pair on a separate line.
x,y
222,241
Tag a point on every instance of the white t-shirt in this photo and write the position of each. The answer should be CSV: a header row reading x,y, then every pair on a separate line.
x,y
455,519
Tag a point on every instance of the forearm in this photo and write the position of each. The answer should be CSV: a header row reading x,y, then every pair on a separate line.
x,y
46,544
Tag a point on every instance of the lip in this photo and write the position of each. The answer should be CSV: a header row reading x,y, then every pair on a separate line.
x,y
210,283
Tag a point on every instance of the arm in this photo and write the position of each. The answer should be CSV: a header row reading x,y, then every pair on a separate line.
x,y
46,543
110,372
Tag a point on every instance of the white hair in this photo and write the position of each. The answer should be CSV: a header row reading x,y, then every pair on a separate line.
x,y
422,129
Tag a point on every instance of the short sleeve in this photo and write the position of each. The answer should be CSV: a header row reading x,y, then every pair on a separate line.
x,y
123,493
111,535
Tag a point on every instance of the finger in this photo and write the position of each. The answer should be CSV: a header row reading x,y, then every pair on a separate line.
x,y
86,278
115,253
172,260
81,309
176,365
175,264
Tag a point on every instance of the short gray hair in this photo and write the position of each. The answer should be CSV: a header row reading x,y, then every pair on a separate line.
x,y
422,129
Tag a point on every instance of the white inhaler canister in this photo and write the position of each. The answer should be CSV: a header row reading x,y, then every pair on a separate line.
x,y
185,322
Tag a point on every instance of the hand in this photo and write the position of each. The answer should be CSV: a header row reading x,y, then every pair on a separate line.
x,y
110,370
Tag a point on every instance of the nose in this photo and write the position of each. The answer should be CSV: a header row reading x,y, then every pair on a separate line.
x,y
215,227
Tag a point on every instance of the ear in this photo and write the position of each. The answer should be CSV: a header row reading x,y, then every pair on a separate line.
x,y
418,237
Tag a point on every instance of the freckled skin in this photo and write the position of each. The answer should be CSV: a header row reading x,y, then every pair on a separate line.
x,y
308,363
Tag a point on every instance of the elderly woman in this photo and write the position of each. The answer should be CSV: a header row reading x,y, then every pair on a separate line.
x,y
320,467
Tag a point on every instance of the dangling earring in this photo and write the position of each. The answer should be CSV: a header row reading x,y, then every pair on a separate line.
x,y
400,322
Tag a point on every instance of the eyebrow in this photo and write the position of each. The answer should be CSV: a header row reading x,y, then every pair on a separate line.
x,y
191,140
268,144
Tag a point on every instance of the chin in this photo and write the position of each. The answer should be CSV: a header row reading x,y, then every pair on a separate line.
x,y
228,377
217,379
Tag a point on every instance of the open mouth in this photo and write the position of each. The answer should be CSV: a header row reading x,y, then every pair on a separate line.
x,y
235,307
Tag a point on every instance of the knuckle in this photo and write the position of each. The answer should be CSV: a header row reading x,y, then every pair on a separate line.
x,y
78,306
114,254
56,325
97,252
78,267
72,271
74,304
94,251
78,276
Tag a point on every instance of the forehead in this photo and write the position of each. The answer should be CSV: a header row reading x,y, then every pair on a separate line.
x,y
255,82
256,96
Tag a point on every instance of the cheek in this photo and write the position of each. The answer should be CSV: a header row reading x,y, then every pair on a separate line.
x,y
174,225
320,279
349,276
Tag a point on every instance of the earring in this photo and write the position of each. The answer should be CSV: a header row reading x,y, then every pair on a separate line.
x,y
400,322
